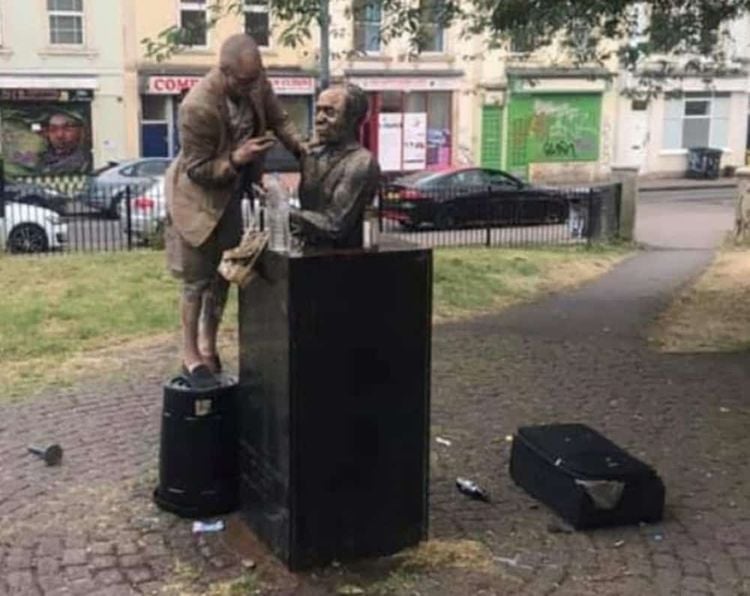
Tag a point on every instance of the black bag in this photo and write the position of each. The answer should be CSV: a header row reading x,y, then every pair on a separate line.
x,y
587,479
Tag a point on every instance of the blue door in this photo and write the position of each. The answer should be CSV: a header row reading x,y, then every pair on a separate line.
x,y
155,139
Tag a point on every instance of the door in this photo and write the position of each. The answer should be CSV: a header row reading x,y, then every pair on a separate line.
x,y
155,139
492,128
635,135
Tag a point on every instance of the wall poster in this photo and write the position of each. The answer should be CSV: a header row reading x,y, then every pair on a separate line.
x,y
45,137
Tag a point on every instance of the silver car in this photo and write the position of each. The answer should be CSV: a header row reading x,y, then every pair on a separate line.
x,y
148,209
107,188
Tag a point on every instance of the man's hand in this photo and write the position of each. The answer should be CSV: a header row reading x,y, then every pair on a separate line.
x,y
251,150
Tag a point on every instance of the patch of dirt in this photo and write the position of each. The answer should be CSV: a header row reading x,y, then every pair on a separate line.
x,y
713,315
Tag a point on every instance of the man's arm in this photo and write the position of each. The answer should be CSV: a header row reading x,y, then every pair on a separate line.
x,y
279,121
199,138
352,194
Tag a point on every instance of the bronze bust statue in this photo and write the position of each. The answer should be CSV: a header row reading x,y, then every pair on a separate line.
x,y
339,176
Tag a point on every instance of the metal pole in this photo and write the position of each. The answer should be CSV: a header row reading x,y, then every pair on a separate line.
x,y
324,20
129,218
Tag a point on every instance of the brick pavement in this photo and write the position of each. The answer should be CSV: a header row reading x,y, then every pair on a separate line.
x,y
89,526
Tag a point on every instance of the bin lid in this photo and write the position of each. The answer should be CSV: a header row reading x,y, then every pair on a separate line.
x,y
582,452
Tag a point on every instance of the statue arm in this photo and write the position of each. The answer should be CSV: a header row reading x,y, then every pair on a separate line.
x,y
199,140
280,122
352,194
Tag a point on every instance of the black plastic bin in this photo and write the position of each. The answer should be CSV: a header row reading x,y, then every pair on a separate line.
x,y
198,471
704,162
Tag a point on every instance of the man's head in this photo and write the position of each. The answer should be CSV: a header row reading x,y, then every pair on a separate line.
x,y
241,64
64,133
339,113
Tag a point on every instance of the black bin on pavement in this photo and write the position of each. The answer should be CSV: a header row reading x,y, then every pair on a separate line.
x,y
198,473
704,162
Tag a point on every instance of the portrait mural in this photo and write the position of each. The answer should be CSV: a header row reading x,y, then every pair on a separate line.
x,y
46,138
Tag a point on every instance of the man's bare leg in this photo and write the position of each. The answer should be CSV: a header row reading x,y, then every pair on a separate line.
x,y
190,310
214,302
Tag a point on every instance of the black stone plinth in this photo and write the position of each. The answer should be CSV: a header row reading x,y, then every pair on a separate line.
x,y
334,402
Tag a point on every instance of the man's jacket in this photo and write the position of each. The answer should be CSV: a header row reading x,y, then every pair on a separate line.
x,y
201,181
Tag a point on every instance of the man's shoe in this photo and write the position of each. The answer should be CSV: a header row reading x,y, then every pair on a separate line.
x,y
200,377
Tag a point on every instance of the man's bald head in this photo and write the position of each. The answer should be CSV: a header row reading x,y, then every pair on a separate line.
x,y
241,63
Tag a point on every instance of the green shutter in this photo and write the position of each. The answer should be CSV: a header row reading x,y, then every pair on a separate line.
x,y
492,126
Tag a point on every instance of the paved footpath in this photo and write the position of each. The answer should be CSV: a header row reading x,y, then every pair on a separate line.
x,y
89,526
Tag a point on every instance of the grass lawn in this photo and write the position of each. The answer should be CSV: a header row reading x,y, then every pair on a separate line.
x,y
713,315
67,316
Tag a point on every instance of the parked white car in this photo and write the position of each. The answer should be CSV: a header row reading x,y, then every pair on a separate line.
x,y
30,228
148,210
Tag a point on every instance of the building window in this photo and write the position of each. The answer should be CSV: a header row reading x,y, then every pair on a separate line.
x,y
697,120
432,34
65,22
523,41
367,22
257,24
193,23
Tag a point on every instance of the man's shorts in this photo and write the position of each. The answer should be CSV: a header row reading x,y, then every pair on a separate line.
x,y
199,264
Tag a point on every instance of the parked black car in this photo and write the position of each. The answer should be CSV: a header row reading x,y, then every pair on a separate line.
x,y
470,196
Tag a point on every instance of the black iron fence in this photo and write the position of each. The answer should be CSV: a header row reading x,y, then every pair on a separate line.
x,y
64,215
485,216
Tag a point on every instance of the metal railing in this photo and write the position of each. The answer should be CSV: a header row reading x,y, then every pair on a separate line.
x,y
55,215
481,216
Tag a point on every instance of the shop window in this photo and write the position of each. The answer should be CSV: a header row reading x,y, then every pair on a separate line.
x,y
432,33
65,22
367,22
697,120
439,129
257,23
193,23
414,130
154,107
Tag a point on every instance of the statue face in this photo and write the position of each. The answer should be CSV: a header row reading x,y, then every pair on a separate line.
x,y
330,122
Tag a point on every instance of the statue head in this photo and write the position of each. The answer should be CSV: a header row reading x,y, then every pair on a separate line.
x,y
339,113
241,64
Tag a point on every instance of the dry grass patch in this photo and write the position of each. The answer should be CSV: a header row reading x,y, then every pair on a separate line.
x,y
713,315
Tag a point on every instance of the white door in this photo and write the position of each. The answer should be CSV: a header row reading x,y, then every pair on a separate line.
x,y
634,136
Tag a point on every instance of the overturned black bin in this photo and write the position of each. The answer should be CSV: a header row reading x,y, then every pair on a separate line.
x,y
198,474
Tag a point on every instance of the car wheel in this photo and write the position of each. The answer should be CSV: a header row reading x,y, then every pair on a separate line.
x,y
445,219
28,238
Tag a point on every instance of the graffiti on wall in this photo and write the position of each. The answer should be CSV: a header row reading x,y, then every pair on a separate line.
x,y
554,128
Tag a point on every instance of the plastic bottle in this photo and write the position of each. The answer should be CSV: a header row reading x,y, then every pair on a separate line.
x,y
472,489
370,228
277,215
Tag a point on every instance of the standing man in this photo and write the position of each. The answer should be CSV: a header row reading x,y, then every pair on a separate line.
x,y
223,123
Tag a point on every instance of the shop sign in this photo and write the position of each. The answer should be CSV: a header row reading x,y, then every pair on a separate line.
x,y
171,85
407,83
174,85
61,95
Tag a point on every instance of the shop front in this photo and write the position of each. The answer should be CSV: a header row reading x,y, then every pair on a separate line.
x,y
161,96
411,122
556,123
46,126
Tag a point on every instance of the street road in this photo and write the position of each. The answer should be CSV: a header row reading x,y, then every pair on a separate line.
x,y
688,218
